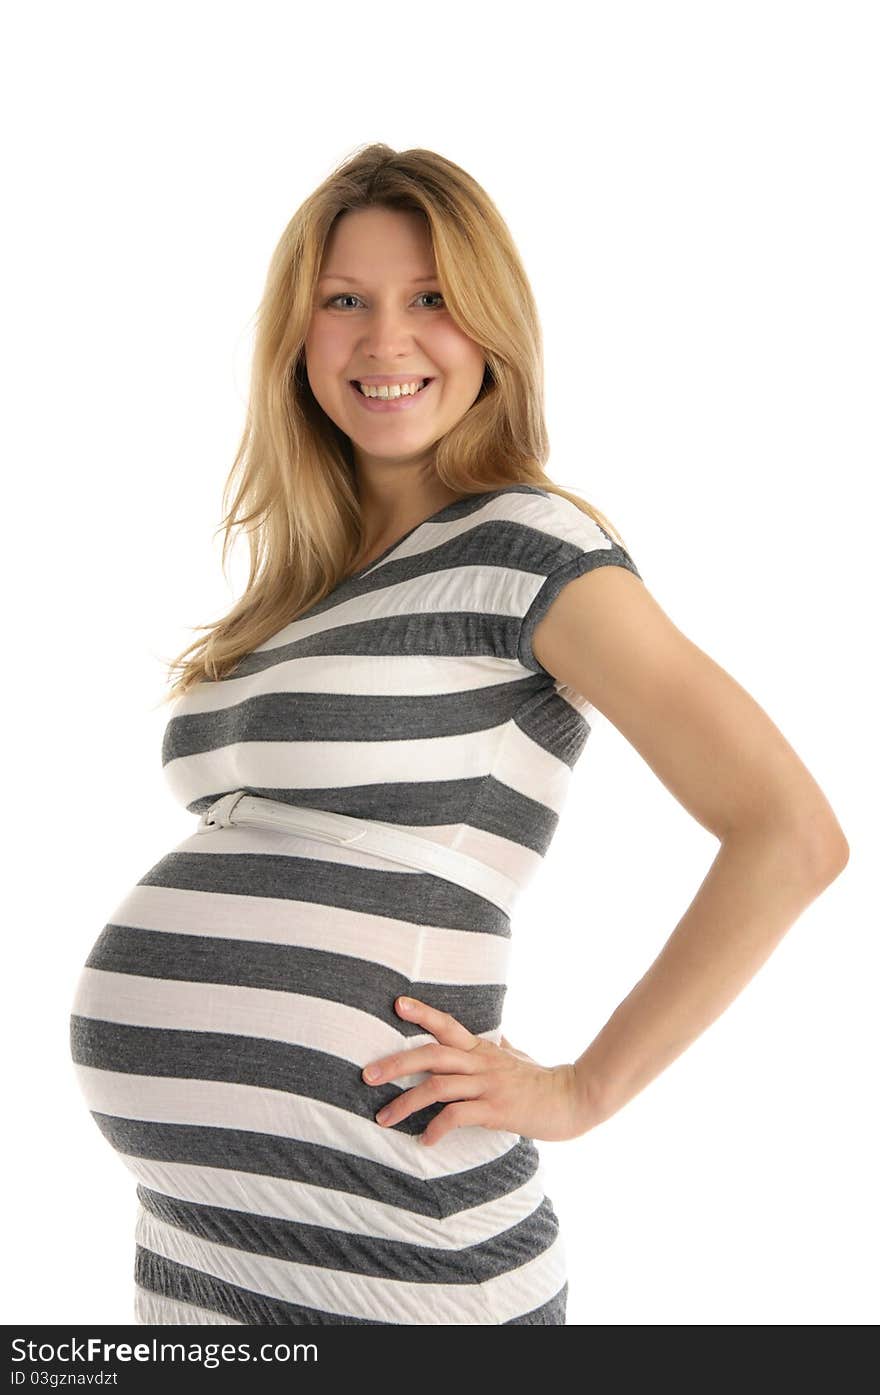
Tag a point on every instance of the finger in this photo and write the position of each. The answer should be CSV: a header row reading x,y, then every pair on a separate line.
x,y
456,1116
439,1087
444,1059
446,1028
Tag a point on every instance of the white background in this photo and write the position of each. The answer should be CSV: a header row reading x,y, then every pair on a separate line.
x,y
693,190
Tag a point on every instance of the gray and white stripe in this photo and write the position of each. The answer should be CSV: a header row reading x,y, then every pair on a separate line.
x,y
222,1019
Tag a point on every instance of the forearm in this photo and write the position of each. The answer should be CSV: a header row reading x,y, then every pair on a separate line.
x,y
757,886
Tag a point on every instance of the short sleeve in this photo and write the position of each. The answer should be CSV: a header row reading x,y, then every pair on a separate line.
x,y
567,543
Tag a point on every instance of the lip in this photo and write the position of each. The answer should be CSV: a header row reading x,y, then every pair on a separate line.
x,y
390,404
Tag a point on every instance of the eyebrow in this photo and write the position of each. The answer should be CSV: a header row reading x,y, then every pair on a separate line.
x,y
336,276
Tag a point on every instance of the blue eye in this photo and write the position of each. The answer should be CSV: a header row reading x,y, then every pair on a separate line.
x,y
349,295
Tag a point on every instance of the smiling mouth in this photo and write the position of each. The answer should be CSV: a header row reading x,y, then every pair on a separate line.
x,y
388,392
400,405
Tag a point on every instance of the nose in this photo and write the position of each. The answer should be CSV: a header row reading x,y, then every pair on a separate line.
x,y
387,333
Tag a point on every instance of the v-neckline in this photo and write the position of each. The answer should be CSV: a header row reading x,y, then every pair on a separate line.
x,y
354,576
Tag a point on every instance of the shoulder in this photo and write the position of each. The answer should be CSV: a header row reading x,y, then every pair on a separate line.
x,y
551,517
544,532
545,541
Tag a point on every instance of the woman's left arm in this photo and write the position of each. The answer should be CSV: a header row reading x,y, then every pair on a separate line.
x,y
721,756
725,761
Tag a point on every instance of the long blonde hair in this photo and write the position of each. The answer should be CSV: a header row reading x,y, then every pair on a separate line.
x,y
293,477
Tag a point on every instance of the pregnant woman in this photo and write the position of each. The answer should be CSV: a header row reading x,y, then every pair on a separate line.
x,y
290,1029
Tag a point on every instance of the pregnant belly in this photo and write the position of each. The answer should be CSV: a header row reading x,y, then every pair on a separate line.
x,y
238,1010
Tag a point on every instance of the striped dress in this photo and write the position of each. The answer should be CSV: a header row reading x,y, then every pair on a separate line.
x,y
224,1015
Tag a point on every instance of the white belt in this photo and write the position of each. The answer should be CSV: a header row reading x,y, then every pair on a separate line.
x,y
381,838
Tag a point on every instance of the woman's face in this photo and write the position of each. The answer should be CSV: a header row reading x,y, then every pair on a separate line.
x,y
379,313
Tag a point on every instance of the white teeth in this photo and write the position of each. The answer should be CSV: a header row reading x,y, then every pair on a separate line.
x,y
393,389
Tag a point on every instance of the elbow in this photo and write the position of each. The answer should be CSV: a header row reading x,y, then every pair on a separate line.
x,y
833,856
817,844
823,839
826,850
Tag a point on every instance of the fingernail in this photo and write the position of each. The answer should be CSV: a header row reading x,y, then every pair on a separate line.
x,y
371,1072
405,1003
